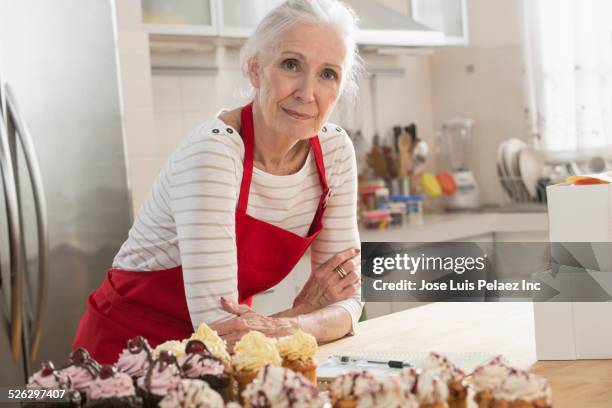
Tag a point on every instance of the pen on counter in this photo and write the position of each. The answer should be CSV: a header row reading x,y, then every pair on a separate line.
x,y
390,363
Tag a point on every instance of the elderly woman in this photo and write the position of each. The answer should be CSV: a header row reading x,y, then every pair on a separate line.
x,y
244,196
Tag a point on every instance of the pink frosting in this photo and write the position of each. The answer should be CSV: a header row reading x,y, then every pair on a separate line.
x,y
195,365
133,364
55,380
80,377
162,380
120,385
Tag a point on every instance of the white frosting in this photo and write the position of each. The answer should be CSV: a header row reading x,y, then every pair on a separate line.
x,y
351,385
280,387
192,393
431,389
388,393
524,386
443,367
489,377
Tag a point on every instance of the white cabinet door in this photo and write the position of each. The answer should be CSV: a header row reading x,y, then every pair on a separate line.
x,y
448,16
239,18
185,17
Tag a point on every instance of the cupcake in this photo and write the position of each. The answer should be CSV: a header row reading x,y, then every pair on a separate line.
x,y
521,389
346,389
136,358
408,378
199,364
251,353
277,386
431,391
214,343
453,376
82,370
389,392
297,352
488,377
112,389
49,378
192,393
162,377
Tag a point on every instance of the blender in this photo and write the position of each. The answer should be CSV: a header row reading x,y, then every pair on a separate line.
x,y
453,146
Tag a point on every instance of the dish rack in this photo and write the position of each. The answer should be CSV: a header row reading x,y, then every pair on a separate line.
x,y
517,197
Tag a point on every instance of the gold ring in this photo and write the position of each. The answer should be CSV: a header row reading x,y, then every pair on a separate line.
x,y
340,270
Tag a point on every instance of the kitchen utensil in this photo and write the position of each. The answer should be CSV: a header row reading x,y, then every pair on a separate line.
x,y
430,185
510,151
390,162
404,146
376,160
531,165
447,183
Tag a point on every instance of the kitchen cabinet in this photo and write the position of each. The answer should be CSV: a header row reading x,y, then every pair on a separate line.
x,y
186,17
447,16
237,19
207,18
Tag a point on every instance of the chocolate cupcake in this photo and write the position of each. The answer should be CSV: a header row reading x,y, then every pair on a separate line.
x,y
277,386
192,394
162,377
112,389
346,389
200,364
82,370
453,376
49,378
387,392
136,358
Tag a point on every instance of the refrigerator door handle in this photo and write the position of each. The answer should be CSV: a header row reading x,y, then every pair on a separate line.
x,y
41,218
14,233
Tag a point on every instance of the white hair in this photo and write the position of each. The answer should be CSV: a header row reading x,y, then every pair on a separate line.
x,y
332,13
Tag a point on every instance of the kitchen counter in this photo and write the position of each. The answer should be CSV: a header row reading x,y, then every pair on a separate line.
x,y
501,328
457,226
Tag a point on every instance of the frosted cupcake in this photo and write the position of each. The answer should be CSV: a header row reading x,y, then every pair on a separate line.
x,y
214,343
199,364
521,389
408,378
112,389
298,352
162,377
346,389
82,370
192,394
136,358
431,391
453,376
389,392
277,386
49,378
251,353
488,377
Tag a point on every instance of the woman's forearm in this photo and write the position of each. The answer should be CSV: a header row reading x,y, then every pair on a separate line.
x,y
326,324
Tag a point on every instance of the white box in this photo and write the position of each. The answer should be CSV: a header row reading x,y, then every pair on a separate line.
x,y
576,330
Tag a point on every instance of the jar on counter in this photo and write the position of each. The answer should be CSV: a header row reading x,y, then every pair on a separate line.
x,y
378,219
414,209
398,212
382,198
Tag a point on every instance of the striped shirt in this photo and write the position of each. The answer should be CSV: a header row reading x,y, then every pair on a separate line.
x,y
188,216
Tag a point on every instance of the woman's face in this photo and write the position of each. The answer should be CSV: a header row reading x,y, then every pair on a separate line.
x,y
299,85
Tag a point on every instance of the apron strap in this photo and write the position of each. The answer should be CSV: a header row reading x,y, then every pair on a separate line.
x,y
248,138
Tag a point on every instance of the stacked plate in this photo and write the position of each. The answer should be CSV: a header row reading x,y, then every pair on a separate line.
x,y
520,168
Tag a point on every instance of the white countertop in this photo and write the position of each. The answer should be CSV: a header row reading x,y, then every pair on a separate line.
x,y
457,226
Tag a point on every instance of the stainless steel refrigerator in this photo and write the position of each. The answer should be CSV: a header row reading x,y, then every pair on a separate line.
x,y
65,206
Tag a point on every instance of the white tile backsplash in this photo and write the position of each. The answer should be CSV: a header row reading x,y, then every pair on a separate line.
x,y
167,93
169,132
136,81
199,92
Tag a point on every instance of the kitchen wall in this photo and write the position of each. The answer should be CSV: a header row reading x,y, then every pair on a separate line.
x,y
484,82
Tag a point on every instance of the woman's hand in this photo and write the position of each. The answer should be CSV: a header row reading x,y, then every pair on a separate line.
x,y
247,319
325,285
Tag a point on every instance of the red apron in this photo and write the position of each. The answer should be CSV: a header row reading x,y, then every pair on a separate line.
x,y
152,304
